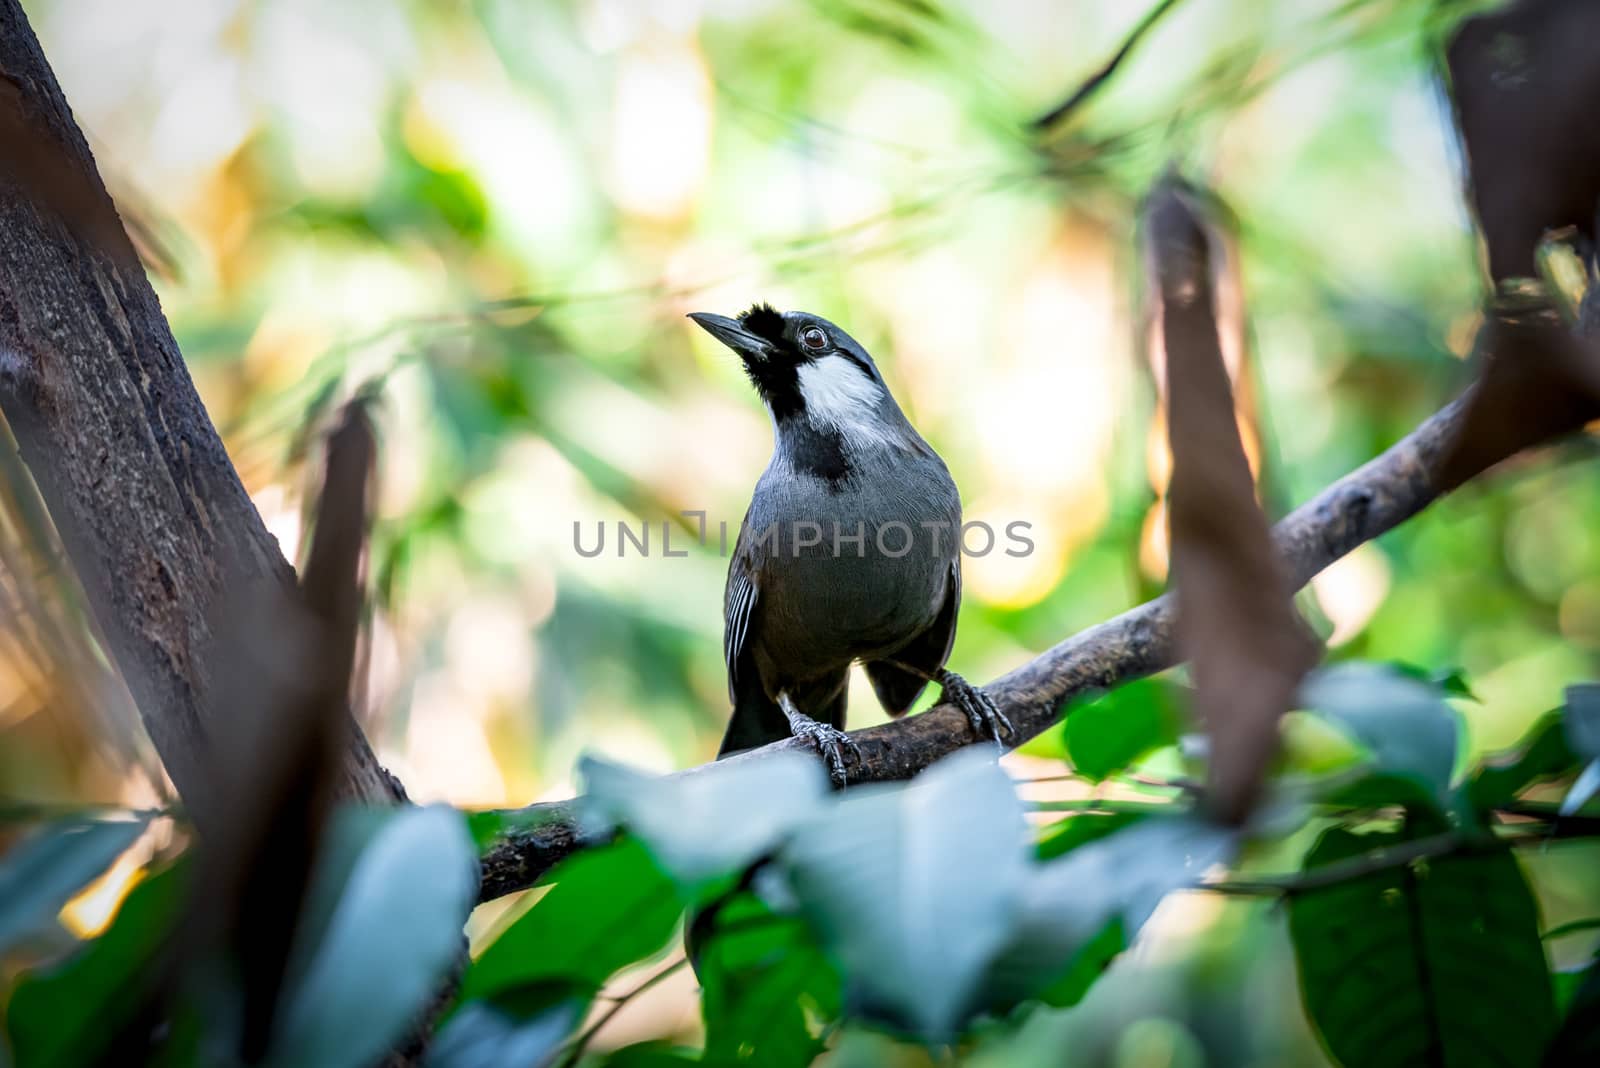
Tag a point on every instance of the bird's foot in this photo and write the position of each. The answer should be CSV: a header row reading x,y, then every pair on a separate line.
x,y
985,716
830,742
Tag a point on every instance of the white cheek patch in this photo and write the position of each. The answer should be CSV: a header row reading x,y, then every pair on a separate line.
x,y
838,394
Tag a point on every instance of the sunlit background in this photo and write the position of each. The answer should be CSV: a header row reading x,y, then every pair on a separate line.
x,y
499,212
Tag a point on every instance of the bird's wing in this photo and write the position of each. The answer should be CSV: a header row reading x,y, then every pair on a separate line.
x,y
738,607
897,689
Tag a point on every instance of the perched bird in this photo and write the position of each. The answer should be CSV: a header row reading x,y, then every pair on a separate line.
x,y
850,550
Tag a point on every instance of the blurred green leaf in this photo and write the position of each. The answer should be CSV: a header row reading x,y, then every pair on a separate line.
x,y
914,887
1112,731
1450,681
1578,1040
713,822
1087,965
1434,962
61,1015
1410,730
48,867
1059,941
518,1029
764,981
653,1054
1068,834
1542,753
1380,789
396,933
609,907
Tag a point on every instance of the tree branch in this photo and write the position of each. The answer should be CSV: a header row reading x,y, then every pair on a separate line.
x,y
1359,507
148,507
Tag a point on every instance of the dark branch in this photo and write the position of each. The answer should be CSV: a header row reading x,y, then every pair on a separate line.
x,y
148,507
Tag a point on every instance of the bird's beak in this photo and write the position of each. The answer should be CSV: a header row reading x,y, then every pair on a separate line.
x,y
730,333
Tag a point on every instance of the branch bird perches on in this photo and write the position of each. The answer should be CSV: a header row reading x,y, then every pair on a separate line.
x,y
1368,502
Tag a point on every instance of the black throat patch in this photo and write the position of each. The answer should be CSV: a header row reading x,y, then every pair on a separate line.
x,y
819,453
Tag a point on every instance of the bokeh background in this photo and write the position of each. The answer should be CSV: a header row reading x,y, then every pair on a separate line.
x,y
497,212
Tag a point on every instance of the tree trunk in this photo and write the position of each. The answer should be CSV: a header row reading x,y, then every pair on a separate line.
x,y
150,511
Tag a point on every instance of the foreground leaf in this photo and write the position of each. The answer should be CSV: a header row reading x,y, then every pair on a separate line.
x,y
521,1034
1436,962
1542,753
396,933
1578,1041
1077,912
1112,731
63,1015
45,870
764,981
711,822
1407,725
1067,835
1237,625
609,907
914,888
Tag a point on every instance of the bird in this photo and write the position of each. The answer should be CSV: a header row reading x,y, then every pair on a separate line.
x,y
849,551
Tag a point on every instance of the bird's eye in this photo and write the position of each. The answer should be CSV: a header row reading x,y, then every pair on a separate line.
x,y
813,338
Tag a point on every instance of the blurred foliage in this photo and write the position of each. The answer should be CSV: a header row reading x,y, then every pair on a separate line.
x,y
920,919
495,213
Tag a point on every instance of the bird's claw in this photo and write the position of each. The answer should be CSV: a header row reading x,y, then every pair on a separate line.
x,y
985,716
830,743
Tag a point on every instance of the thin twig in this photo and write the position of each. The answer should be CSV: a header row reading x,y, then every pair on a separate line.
x,y
1101,76
1449,843
575,1049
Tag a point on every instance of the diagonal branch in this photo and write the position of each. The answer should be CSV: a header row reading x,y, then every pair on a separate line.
x,y
1359,507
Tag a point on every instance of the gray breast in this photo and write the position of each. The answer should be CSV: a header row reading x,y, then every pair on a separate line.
x,y
854,569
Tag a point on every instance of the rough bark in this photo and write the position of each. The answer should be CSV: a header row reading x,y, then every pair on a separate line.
x,y
150,511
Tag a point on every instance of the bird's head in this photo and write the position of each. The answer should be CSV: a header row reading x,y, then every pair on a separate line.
x,y
803,366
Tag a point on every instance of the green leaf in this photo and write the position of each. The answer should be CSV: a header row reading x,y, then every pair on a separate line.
x,y
1087,965
1407,725
1436,962
62,1014
1112,731
46,869
1451,681
609,907
914,887
1058,941
395,935
1378,789
1578,1040
708,824
520,1029
1068,834
653,1054
767,989
1542,753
